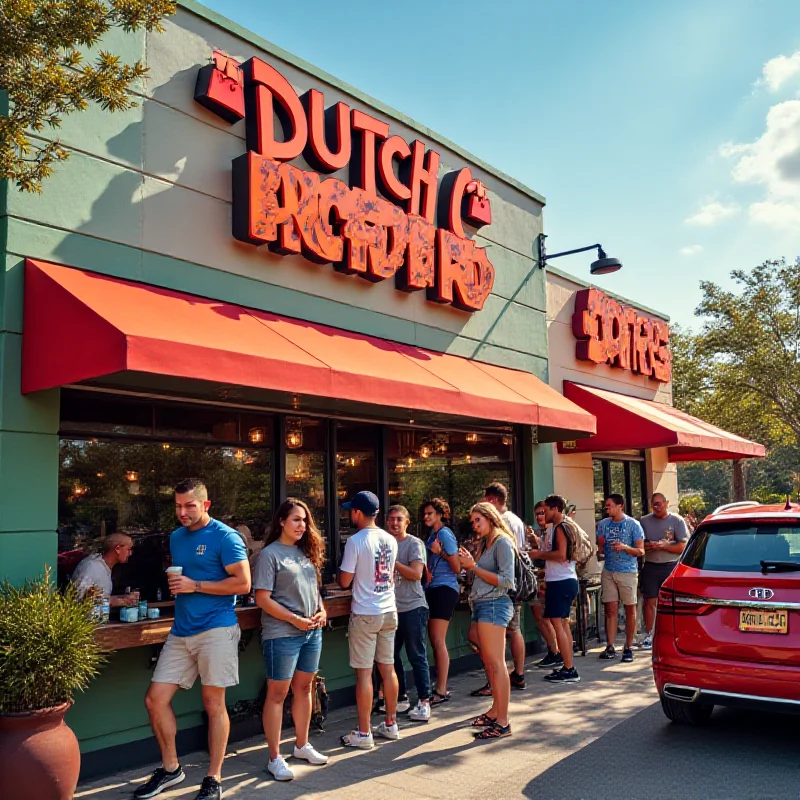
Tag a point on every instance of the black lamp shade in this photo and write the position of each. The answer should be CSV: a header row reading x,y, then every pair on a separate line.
x,y
605,265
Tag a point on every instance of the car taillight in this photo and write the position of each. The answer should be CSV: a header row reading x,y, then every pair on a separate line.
x,y
664,603
682,604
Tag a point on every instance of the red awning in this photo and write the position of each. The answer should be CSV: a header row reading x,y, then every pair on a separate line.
x,y
81,326
629,423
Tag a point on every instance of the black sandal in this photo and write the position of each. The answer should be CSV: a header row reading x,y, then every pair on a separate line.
x,y
483,721
484,691
437,698
494,731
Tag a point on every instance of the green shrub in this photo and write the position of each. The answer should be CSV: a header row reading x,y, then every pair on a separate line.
x,y
47,645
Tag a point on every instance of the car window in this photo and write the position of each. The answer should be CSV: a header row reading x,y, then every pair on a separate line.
x,y
741,547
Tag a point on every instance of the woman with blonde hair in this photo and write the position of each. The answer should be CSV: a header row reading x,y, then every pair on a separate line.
x,y
492,610
286,582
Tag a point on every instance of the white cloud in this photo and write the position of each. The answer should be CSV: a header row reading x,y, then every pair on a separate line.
x,y
779,70
772,161
691,250
711,213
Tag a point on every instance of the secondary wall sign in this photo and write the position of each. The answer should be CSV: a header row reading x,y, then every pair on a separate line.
x,y
417,238
609,332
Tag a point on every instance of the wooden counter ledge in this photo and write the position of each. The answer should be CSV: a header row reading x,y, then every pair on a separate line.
x,y
122,635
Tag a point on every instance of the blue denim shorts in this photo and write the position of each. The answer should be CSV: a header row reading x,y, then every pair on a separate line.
x,y
289,654
496,612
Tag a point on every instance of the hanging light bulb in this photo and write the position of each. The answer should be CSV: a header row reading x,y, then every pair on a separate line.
x,y
506,440
294,434
425,450
257,435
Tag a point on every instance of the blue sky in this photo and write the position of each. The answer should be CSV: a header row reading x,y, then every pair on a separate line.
x,y
669,131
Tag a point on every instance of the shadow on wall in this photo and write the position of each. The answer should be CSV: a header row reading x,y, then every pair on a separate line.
x,y
129,198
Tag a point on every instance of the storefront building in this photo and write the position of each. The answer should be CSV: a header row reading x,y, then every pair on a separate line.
x,y
611,358
262,277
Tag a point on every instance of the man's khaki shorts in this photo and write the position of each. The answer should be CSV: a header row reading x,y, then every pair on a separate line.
x,y
212,654
619,587
371,638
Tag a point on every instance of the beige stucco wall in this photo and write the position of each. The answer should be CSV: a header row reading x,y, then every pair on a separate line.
x,y
572,473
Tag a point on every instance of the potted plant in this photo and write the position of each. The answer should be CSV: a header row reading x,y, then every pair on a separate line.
x,y
47,652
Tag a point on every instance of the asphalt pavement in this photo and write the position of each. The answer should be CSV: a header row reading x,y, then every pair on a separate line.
x,y
602,738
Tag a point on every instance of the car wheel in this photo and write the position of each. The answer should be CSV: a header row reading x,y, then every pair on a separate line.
x,y
685,713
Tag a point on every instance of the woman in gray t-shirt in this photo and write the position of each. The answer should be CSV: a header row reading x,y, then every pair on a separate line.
x,y
286,582
492,610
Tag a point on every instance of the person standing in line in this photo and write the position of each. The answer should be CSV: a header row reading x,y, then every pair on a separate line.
x,y
95,570
368,566
621,540
561,581
286,582
412,614
492,610
665,538
204,638
544,541
497,495
442,592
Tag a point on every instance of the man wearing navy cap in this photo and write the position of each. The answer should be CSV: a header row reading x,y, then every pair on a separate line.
x,y
368,567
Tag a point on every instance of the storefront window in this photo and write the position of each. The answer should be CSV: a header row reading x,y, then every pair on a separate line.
x,y
454,466
356,469
115,486
120,461
306,464
625,477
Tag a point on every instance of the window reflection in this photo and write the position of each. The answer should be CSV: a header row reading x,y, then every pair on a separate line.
x,y
119,486
356,469
451,465
306,464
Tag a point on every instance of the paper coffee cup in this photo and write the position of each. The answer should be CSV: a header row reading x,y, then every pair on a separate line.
x,y
174,570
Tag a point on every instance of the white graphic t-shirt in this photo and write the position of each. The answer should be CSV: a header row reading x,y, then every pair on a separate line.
x,y
370,555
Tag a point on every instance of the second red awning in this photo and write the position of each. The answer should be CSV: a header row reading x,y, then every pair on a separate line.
x,y
630,423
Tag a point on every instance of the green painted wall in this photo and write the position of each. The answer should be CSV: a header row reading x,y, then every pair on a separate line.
x,y
145,196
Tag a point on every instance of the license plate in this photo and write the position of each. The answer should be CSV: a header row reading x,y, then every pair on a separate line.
x,y
763,620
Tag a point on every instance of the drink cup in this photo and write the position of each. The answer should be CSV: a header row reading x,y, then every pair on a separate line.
x,y
174,570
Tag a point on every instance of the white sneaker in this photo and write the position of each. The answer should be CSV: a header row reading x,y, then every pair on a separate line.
x,y
421,712
647,643
386,731
403,705
279,769
308,753
356,739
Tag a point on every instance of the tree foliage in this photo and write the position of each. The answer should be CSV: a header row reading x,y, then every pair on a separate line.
x,y
740,372
44,74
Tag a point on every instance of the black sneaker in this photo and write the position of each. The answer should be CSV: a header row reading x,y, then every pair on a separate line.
x,y
563,675
627,655
608,654
210,789
379,707
551,661
160,780
517,680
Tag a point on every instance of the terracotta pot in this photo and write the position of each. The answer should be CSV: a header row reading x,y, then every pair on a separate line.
x,y
39,755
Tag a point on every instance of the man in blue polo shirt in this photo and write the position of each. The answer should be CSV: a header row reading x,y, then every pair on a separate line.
x,y
204,639
621,540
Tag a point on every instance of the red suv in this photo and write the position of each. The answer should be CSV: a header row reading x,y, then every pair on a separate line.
x,y
728,624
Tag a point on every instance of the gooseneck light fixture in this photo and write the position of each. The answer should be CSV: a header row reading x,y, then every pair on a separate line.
x,y
603,266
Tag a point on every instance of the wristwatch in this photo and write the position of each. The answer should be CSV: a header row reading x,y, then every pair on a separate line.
x,y
197,586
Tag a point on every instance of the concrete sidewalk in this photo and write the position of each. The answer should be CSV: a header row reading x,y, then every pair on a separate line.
x,y
439,759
